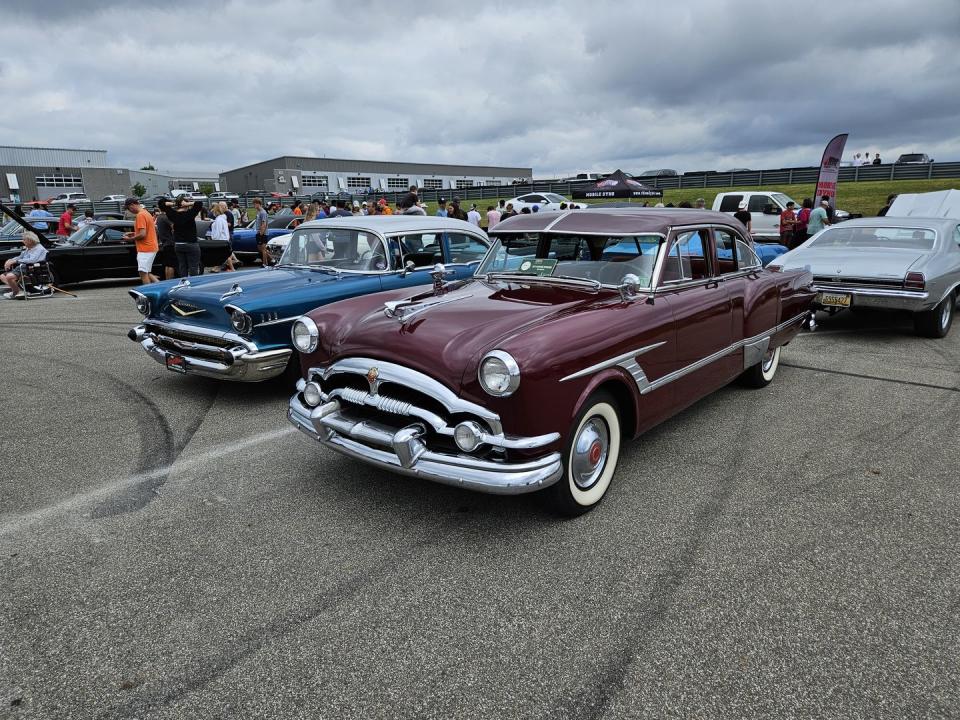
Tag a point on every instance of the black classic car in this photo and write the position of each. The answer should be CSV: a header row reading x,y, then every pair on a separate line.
x,y
98,251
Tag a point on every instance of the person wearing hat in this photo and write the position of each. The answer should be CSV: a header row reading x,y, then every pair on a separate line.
x,y
473,217
364,209
743,216
441,207
819,218
456,211
383,208
144,236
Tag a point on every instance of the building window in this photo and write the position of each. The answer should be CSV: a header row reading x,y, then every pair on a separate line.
x,y
185,186
398,183
358,182
432,184
318,181
464,184
493,183
59,181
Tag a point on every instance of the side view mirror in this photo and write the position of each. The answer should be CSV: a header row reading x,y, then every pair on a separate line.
x,y
408,268
629,287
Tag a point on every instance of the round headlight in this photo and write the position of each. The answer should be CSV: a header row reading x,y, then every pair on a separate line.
x,y
241,322
143,304
499,373
305,334
311,394
467,435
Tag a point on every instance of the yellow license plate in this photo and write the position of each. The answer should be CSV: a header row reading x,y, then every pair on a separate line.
x,y
834,300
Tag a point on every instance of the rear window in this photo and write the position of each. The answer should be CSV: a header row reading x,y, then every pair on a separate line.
x,y
877,237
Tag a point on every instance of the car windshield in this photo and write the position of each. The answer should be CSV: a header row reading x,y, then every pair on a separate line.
x,y
876,237
552,197
588,257
912,157
783,199
336,248
81,236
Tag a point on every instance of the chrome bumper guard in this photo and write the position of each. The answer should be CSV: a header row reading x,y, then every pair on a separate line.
x,y
403,451
240,361
882,299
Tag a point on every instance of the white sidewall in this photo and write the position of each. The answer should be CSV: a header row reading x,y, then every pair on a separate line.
x,y
768,375
592,496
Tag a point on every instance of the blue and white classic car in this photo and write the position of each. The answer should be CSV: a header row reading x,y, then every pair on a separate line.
x,y
236,326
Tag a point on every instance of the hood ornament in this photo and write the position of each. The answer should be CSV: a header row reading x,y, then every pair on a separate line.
x,y
438,273
184,283
373,377
235,290
403,310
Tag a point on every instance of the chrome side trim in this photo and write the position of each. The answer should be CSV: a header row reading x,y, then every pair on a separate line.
x,y
279,321
703,362
626,360
753,352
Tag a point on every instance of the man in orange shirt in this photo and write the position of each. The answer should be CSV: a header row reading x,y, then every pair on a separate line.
x,y
145,236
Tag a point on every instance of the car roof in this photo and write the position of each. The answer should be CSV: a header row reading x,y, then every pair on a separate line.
x,y
615,221
384,224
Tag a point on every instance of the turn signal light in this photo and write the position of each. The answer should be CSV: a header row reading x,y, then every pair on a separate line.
x,y
774,268
915,281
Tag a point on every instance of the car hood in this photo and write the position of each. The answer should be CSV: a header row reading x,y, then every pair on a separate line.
x,y
445,336
852,262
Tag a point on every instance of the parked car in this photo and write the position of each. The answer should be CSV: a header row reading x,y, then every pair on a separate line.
x,y
664,172
886,263
236,326
113,198
245,238
98,250
70,197
914,159
224,196
278,245
543,201
580,329
764,208
192,194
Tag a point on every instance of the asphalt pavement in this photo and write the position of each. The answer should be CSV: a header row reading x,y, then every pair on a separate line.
x,y
171,548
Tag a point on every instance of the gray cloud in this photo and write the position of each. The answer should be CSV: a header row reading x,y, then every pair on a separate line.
x,y
560,87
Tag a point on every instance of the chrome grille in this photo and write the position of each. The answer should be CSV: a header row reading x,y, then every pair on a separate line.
x,y
165,333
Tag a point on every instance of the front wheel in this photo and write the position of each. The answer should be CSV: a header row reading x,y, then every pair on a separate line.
x,y
935,323
590,457
761,374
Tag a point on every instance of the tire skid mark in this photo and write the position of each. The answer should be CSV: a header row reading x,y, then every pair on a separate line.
x,y
158,447
863,376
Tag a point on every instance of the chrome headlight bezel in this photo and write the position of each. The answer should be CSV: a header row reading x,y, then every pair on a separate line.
x,y
313,334
240,320
503,363
142,302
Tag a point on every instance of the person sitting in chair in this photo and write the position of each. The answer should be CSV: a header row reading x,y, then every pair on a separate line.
x,y
35,252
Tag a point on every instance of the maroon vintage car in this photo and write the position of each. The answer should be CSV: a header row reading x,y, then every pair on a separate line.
x,y
579,329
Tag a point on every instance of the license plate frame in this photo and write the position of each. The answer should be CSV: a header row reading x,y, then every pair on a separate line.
x,y
176,363
833,299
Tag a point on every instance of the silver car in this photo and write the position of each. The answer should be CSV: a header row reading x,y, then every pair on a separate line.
x,y
885,263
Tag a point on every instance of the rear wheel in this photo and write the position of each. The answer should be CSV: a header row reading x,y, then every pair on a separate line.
x,y
762,374
590,458
935,323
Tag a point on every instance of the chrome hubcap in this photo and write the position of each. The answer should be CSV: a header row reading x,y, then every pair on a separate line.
x,y
768,360
590,450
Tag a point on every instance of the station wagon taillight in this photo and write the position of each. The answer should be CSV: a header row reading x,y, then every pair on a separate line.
x,y
915,281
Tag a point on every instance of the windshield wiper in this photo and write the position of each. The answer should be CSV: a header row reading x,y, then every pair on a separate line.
x,y
519,277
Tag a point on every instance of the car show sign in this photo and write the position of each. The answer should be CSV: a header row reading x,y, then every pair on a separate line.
x,y
830,170
617,185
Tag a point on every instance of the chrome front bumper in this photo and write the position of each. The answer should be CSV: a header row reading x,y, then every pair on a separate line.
x,y
881,299
403,451
241,361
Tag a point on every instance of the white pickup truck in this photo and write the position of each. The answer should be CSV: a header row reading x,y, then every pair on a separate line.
x,y
764,208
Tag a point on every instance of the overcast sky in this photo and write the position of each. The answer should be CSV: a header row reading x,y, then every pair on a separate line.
x,y
560,87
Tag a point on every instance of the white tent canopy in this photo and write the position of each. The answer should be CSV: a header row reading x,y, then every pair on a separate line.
x,y
942,203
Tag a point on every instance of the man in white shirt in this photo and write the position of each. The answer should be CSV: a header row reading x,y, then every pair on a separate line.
x,y
35,252
473,216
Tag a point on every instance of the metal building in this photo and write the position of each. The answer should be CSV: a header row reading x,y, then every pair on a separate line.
x,y
309,174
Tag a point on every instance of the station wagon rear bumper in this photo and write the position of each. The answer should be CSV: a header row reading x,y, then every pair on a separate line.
x,y
402,451
210,354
